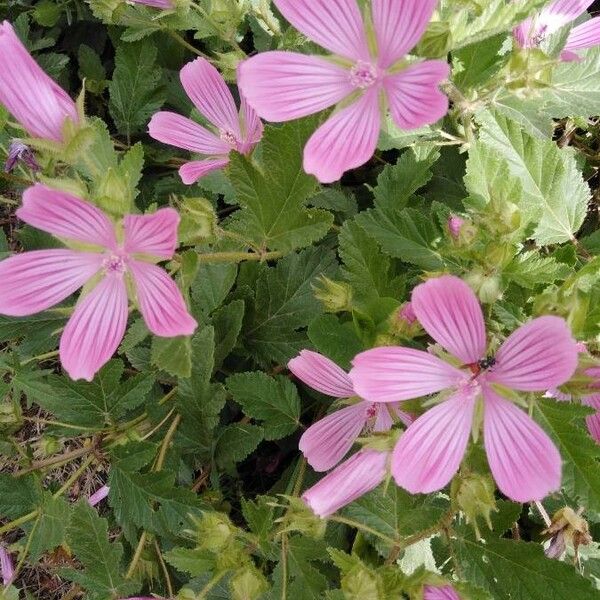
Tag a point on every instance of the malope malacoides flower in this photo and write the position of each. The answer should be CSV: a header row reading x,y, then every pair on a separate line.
x,y
368,71
532,32
538,356
445,592
327,441
39,104
235,130
107,263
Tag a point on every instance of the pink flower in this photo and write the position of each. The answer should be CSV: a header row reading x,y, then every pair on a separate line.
x,y
532,32
162,4
29,94
283,86
6,566
239,131
327,441
98,495
455,225
352,479
539,355
110,265
446,592
407,314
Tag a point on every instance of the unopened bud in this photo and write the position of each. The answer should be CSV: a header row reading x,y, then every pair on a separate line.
x,y
336,296
198,221
48,445
113,193
214,531
299,517
455,225
473,493
487,287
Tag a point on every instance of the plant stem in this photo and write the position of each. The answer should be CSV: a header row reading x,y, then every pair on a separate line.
x,y
543,513
54,461
364,528
186,44
137,555
26,549
166,443
20,521
41,357
220,257
210,585
164,569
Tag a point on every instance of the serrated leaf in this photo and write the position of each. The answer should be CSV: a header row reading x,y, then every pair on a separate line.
x,y
173,355
227,322
520,571
336,340
212,284
193,561
530,270
273,195
87,535
580,454
554,189
18,495
49,529
236,442
274,401
135,90
284,304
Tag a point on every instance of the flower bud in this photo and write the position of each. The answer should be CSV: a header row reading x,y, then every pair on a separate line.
x,y
473,493
335,296
214,531
48,445
198,221
455,225
299,517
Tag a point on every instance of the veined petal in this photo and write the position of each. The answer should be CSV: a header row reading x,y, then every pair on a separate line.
x,y
252,127
321,374
160,301
430,451
327,441
153,234
29,94
524,462
593,421
66,216
336,25
194,170
282,86
399,25
181,132
346,140
445,592
586,35
34,281
354,478
208,91
391,374
98,495
95,329
538,356
451,314
6,566
414,96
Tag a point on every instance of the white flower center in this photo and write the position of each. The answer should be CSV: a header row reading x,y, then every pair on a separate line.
x,y
363,75
114,264
228,137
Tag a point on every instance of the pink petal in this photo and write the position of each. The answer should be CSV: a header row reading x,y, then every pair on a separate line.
x,y
336,25
208,91
429,453
34,281
346,140
538,356
29,94
326,442
524,462
399,25
414,96
586,35
6,566
153,234
160,301
321,374
181,132
252,127
282,86
593,421
449,311
194,170
66,216
391,374
354,478
95,329
446,592
98,495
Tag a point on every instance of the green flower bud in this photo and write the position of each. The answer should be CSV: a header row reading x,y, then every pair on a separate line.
x,y
473,493
300,518
215,531
198,221
336,296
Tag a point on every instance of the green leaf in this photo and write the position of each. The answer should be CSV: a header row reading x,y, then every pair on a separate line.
x,y
227,322
98,404
50,526
173,355
87,535
212,284
580,454
336,340
194,561
236,442
274,401
285,304
273,194
520,571
530,270
135,89
553,187
18,495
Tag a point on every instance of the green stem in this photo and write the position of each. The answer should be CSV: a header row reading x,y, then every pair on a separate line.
x,y
18,522
186,44
225,257
41,357
26,549
210,585
364,528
